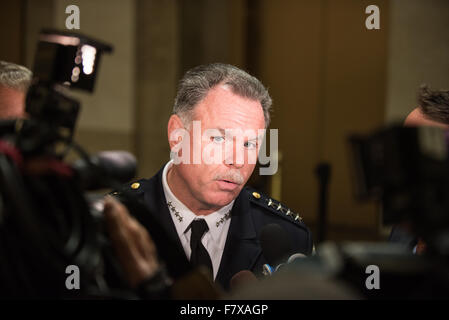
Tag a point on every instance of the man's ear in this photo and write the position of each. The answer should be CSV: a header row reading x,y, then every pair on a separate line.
x,y
174,124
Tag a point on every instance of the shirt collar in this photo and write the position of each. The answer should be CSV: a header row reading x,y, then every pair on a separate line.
x,y
183,216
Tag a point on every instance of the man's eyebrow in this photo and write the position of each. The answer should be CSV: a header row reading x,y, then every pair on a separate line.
x,y
223,132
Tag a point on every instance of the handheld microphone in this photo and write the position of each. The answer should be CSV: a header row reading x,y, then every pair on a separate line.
x,y
295,257
269,270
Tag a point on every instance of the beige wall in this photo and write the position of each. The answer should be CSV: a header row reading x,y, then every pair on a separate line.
x,y
418,52
157,67
39,15
11,30
326,72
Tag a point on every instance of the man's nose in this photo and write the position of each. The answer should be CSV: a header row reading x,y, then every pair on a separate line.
x,y
234,157
234,164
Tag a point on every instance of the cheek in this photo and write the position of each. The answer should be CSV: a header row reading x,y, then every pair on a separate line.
x,y
248,170
252,157
199,176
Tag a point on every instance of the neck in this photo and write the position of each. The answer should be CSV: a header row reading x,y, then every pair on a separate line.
x,y
181,190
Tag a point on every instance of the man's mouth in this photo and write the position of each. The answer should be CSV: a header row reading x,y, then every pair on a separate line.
x,y
227,185
229,181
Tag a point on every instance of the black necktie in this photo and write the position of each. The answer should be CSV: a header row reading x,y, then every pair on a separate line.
x,y
199,253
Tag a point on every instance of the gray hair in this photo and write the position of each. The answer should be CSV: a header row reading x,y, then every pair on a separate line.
x,y
15,76
197,82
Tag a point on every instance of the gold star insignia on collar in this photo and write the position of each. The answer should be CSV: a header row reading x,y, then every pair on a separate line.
x,y
176,212
180,218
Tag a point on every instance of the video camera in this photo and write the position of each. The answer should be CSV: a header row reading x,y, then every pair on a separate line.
x,y
47,225
407,170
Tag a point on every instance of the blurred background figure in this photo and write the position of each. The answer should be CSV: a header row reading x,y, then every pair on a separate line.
x,y
14,82
432,110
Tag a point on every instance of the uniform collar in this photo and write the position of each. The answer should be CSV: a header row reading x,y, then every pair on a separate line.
x,y
183,216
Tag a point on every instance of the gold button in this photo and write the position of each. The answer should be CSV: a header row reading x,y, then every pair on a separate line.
x,y
135,185
256,195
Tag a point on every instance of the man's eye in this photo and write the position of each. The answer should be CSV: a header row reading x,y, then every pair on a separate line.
x,y
250,145
218,139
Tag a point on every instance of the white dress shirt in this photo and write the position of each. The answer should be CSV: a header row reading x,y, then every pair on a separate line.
x,y
218,222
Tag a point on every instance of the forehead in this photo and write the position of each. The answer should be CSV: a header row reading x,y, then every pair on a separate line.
x,y
416,118
221,108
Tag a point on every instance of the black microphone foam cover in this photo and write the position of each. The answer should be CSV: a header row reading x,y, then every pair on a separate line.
x,y
118,165
275,244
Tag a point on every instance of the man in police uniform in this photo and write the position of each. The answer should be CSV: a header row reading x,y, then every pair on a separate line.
x,y
204,206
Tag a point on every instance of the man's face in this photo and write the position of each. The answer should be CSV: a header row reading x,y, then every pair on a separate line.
x,y
217,184
12,103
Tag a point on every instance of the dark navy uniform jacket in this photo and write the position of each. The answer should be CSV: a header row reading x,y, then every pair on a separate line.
x,y
242,251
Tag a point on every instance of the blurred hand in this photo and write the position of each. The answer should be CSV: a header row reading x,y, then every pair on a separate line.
x,y
134,248
420,247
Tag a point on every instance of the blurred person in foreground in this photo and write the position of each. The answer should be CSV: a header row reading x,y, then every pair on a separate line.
x,y
14,82
133,246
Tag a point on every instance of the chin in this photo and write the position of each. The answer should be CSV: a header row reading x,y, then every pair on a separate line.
x,y
220,199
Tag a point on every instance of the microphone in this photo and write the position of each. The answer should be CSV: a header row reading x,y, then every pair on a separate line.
x,y
275,246
241,278
119,166
268,270
296,256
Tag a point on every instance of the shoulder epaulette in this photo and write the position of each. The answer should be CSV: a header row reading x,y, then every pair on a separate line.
x,y
134,187
274,207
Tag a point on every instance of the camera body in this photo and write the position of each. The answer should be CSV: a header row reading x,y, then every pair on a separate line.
x,y
407,170
47,226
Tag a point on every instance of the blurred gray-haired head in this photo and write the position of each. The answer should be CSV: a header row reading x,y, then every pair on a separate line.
x,y
15,76
197,82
